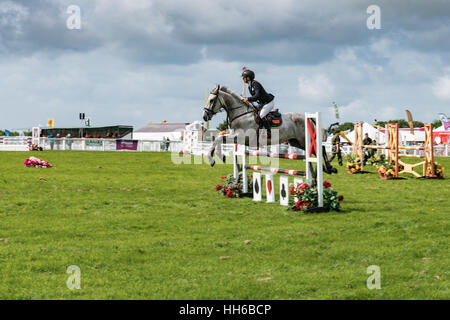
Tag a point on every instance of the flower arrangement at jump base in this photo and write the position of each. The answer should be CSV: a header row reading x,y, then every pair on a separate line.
x,y
386,171
36,163
232,188
353,165
307,198
439,170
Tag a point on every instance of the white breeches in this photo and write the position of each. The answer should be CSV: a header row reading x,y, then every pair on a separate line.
x,y
267,108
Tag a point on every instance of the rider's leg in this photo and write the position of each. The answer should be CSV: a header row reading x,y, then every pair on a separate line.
x,y
266,109
264,112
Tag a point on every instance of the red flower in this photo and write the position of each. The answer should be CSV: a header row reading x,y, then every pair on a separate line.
x,y
340,198
230,193
326,184
223,178
291,190
218,187
304,186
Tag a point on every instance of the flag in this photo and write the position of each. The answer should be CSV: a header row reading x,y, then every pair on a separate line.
x,y
410,121
336,110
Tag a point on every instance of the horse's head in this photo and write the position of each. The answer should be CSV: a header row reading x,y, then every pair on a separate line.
x,y
213,104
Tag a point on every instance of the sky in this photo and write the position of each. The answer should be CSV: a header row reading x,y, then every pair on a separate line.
x,y
139,61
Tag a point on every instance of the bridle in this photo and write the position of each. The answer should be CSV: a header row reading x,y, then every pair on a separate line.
x,y
210,111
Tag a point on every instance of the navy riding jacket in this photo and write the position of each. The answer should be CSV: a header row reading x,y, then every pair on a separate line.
x,y
259,94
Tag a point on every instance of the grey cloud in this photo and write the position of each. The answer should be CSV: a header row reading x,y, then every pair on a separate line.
x,y
275,32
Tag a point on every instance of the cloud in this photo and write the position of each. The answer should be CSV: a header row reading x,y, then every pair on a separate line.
x,y
315,88
441,88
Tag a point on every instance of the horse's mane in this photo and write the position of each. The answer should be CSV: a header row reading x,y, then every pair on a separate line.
x,y
231,92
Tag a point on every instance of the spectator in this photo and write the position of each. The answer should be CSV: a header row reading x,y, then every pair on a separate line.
x,y
58,141
373,151
69,141
167,143
51,139
366,141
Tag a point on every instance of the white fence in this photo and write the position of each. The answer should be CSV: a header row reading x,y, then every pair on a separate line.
x,y
202,147
14,143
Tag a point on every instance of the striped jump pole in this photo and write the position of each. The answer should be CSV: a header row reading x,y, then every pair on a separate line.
x,y
276,170
313,150
275,155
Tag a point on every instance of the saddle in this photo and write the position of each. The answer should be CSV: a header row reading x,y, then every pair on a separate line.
x,y
274,118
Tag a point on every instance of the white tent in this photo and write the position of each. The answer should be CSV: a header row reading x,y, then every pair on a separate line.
x,y
374,134
406,136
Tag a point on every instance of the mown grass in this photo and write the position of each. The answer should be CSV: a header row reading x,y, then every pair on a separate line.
x,y
140,227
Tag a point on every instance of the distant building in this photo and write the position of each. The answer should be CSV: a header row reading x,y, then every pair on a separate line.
x,y
157,131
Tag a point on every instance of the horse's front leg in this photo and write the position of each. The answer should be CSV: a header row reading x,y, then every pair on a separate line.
x,y
212,162
219,144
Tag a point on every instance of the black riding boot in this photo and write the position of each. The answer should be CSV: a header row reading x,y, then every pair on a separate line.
x,y
266,124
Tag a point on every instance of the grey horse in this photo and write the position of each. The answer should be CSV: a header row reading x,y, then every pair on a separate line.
x,y
241,118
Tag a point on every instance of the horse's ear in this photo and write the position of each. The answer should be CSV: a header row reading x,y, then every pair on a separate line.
x,y
216,89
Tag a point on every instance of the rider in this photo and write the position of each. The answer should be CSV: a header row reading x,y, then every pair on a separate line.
x,y
259,95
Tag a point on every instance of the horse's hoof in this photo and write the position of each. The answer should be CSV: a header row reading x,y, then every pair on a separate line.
x,y
212,163
224,159
334,170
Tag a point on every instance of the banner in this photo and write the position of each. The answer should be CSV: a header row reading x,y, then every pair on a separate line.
x,y
94,143
127,145
444,121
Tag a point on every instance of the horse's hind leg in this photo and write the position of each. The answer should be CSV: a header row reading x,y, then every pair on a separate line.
x,y
327,165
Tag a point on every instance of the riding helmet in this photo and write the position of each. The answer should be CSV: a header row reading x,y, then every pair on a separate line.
x,y
248,73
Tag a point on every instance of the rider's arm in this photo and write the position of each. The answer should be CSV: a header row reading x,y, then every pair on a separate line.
x,y
257,94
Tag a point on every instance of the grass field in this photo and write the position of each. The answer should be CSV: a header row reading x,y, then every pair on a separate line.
x,y
140,227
